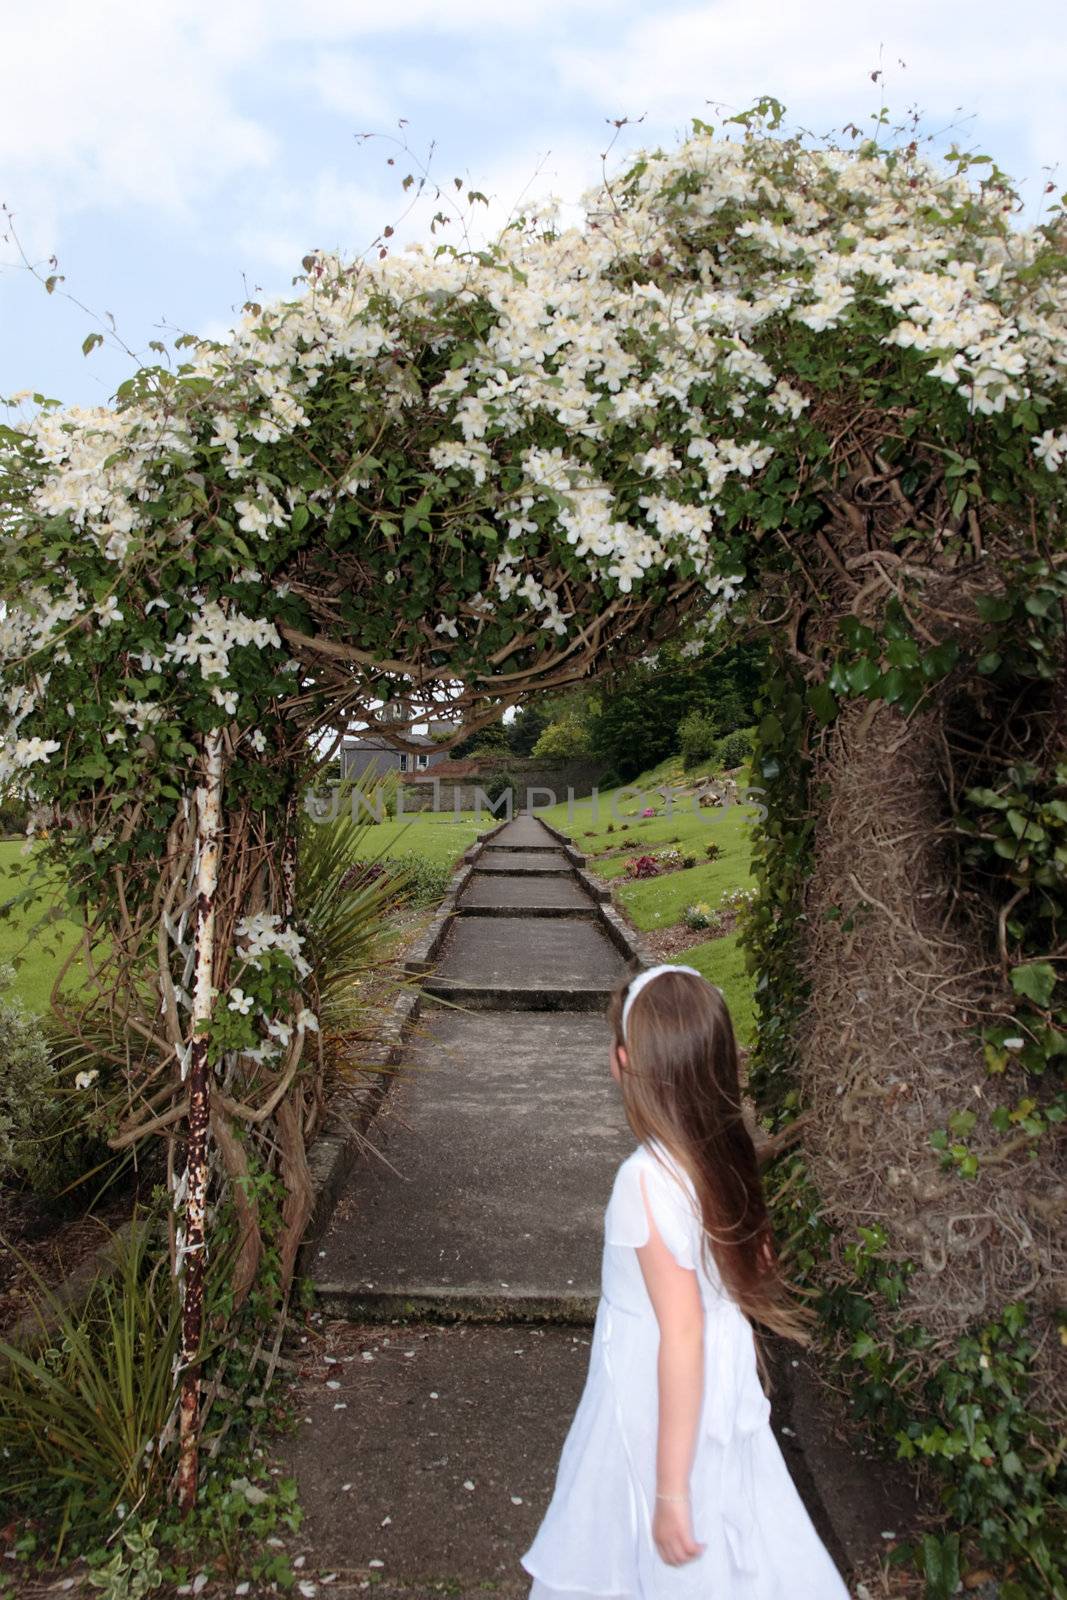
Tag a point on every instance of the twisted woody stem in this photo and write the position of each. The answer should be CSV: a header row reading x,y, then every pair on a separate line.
x,y
190,1265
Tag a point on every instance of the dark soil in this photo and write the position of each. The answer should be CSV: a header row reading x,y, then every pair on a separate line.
x,y
50,1240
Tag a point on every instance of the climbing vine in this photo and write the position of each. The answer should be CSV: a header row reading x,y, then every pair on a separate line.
x,y
977,1411
813,392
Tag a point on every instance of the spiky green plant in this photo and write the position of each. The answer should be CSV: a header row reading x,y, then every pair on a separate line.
x,y
83,1405
345,928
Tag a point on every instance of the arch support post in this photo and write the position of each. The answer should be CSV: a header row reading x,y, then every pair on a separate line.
x,y
191,1196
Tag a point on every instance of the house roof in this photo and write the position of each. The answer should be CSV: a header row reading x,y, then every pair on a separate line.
x,y
372,741
464,768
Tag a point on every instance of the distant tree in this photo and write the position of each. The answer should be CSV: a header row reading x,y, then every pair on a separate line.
x,y
484,741
526,728
563,740
641,712
698,737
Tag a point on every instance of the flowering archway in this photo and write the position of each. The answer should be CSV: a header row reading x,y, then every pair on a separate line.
x,y
810,392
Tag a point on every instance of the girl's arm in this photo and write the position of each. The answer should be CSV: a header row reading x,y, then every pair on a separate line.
x,y
679,1308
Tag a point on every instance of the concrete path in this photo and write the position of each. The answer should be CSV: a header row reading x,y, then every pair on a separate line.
x,y
502,1135
459,1276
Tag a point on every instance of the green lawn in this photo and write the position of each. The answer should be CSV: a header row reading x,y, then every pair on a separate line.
x,y
42,956
653,903
439,836
723,962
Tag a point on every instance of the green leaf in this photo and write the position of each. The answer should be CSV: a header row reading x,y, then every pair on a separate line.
x,y
822,702
1036,980
993,608
863,675
941,1565
91,341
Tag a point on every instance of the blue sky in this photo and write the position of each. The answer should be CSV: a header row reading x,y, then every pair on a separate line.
x,y
178,154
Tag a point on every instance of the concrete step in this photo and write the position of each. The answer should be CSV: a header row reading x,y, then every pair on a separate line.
x,y
516,997
527,892
522,861
496,1149
527,954
437,1457
524,831
469,1302
475,908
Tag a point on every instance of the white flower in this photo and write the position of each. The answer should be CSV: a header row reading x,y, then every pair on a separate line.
x,y
226,698
447,625
658,462
239,1001
257,739
27,751
1050,448
85,1080
108,611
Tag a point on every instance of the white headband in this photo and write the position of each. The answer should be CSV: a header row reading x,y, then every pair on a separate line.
x,y
646,977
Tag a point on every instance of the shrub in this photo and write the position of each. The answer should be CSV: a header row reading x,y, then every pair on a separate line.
x,y
713,851
425,880
67,1148
564,740
642,867
689,861
361,873
14,814
736,748
700,915
496,784
27,1080
742,904
697,738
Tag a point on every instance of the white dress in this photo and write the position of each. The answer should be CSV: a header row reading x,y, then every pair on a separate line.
x,y
596,1536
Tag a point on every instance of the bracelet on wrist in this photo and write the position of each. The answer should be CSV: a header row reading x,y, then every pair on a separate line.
x,y
672,1497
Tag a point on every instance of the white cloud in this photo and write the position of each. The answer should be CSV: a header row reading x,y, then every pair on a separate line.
x,y
818,59
124,103
120,104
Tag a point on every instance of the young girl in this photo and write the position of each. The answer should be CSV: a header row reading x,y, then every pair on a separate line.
x,y
670,1482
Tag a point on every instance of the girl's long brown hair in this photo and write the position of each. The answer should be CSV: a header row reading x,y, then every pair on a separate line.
x,y
680,1085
